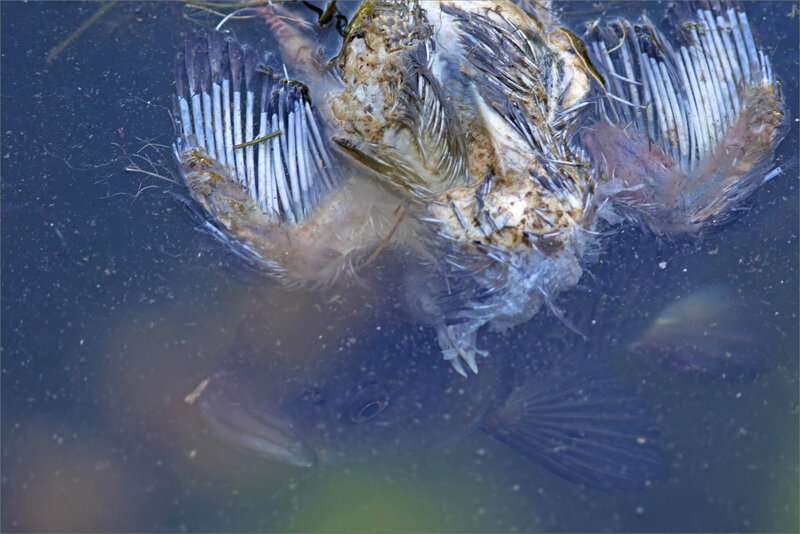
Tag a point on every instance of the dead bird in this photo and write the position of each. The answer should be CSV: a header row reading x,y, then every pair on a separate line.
x,y
368,394
477,137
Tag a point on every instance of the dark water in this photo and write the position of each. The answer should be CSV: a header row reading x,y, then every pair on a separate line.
x,y
114,307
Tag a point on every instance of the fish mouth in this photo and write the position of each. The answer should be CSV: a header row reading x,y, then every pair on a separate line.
x,y
254,435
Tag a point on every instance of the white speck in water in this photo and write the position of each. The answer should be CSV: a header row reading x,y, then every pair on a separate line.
x,y
662,265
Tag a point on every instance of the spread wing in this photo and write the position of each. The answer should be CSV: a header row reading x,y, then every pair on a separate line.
x,y
259,130
690,121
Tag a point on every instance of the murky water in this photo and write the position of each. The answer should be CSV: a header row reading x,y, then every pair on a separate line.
x,y
114,307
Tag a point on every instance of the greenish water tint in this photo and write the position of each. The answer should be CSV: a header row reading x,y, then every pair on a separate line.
x,y
114,307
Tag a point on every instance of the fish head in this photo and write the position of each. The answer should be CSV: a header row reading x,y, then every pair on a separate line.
x,y
367,393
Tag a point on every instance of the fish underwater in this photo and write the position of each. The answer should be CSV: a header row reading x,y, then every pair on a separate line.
x,y
713,332
483,140
367,394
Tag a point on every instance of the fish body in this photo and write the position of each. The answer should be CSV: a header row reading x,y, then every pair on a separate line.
x,y
482,139
369,394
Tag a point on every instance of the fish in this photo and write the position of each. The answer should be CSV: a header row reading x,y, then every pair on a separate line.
x,y
481,140
372,393
714,332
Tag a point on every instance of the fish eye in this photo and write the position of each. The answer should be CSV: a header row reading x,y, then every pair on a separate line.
x,y
368,411
368,403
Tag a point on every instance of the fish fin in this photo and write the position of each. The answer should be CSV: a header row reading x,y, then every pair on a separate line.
x,y
255,131
694,118
714,332
582,423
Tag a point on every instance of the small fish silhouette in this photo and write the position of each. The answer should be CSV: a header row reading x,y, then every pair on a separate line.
x,y
713,332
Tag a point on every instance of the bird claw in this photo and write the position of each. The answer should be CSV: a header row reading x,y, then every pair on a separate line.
x,y
458,347
456,363
458,356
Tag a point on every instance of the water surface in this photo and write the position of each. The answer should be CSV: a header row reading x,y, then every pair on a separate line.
x,y
114,307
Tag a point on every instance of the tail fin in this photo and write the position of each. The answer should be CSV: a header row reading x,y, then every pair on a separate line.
x,y
580,421
254,129
688,130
